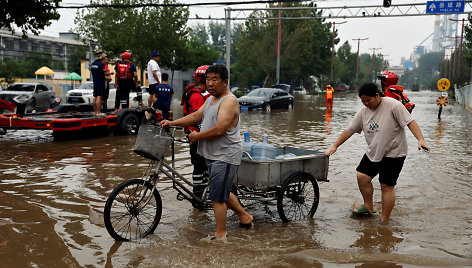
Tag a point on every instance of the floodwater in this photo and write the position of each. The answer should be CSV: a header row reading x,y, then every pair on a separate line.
x,y
52,195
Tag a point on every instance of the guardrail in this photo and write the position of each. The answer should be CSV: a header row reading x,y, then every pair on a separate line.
x,y
464,96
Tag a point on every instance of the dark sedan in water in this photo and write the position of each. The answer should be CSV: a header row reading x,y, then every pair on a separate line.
x,y
266,99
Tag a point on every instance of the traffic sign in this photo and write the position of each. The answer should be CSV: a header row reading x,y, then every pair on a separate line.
x,y
445,7
443,84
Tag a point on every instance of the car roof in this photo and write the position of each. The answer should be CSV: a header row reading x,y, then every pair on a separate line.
x,y
33,84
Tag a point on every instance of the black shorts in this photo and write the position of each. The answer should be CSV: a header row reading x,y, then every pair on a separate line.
x,y
98,91
153,89
388,169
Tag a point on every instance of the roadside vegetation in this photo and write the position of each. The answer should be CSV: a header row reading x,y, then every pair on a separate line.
x,y
305,57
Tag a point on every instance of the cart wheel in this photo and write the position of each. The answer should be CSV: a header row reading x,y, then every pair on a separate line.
x,y
298,198
125,217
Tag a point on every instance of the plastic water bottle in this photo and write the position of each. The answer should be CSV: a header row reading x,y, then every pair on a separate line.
x,y
247,144
263,150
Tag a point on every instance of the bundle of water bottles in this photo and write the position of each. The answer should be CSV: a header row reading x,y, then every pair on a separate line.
x,y
261,150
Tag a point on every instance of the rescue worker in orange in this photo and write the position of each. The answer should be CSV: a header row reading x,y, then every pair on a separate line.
x,y
329,97
389,80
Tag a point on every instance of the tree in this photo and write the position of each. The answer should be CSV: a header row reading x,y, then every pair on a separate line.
x,y
304,50
77,54
139,30
28,15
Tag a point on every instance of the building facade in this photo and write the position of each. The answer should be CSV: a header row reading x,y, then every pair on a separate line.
x,y
13,46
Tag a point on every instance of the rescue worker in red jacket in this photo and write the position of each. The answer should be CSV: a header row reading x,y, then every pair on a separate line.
x,y
389,80
193,98
126,79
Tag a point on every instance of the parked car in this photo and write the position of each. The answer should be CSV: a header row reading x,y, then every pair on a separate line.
x,y
299,90
267,99
84,94
284,87
251,88
34,95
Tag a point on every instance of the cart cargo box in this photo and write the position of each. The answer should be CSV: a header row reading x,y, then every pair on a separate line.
x,y
266,174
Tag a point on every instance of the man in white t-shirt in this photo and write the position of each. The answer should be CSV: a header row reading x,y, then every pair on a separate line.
x,y
383,122
154,77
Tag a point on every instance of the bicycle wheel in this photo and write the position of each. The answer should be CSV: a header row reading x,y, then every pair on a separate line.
x,y
298,198
126,217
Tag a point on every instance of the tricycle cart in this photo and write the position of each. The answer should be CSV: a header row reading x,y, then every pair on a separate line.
x,y
133,209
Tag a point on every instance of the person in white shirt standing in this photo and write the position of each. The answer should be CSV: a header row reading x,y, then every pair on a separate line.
x,y
154,76
383,121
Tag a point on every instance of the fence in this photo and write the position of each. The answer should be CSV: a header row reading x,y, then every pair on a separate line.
x,y
464,96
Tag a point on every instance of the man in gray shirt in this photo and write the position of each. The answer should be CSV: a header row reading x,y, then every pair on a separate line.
x,y
219,143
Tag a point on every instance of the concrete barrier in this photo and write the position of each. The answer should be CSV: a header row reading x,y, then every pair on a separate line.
x,y
464,96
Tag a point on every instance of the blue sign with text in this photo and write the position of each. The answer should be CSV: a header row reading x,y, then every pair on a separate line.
x,y
443,7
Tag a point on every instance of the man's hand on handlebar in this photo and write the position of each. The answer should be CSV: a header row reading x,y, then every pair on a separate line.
x,y
165,123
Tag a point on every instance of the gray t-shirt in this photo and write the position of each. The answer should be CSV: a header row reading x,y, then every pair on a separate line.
x,y
384,129
226,148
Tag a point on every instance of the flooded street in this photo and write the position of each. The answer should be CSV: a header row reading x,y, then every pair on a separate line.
x,y
52,195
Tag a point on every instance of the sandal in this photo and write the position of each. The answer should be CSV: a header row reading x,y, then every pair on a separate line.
x,y
362,210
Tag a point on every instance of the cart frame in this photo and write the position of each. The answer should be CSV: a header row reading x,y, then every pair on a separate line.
x,y
133,209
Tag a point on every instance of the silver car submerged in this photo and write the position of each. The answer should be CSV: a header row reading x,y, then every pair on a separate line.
x,y
34,95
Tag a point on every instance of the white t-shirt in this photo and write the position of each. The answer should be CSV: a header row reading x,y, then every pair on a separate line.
x,y
384,129
153,66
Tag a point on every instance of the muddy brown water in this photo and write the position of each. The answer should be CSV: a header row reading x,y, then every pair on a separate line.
x,y
52,195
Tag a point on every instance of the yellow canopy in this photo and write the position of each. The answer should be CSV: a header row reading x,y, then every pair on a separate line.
x,y
44,71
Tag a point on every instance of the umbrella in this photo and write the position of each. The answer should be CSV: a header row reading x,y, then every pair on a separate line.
x,y
44,71
73,77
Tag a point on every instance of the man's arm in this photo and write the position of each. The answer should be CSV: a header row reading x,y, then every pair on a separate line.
x,y
345,135
228,116
154,73
135,77
415,129
186,121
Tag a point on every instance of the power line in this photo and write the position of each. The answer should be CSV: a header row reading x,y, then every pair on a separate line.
x,y
173,4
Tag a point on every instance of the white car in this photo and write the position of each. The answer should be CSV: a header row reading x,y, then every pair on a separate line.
x,y
84,94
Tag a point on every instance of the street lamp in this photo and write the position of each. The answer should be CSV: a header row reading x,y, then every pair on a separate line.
x,y
332,48
373,60
357,64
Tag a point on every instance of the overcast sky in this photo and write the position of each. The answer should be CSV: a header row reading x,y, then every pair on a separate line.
x,y
397,37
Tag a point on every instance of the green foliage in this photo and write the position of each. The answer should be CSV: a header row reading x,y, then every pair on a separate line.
x,y
139,30
28,15
426,75
77,54
305,49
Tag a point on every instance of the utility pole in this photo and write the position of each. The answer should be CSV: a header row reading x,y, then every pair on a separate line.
x,y
228,43
460,49
455,52
279,38
382,59
373,60
332,48
357,64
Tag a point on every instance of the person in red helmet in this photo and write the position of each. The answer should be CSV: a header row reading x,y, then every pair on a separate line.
x,y
389,81
126,79
192,99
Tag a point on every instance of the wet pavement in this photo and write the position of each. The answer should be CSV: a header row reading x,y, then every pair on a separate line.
x,y
52,196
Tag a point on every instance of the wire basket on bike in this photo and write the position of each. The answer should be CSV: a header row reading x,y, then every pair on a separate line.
x,y
152,142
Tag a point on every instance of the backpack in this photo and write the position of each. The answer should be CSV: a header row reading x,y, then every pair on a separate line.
x,y
123,72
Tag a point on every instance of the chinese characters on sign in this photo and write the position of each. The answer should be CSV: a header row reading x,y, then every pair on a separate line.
x,y
442,7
